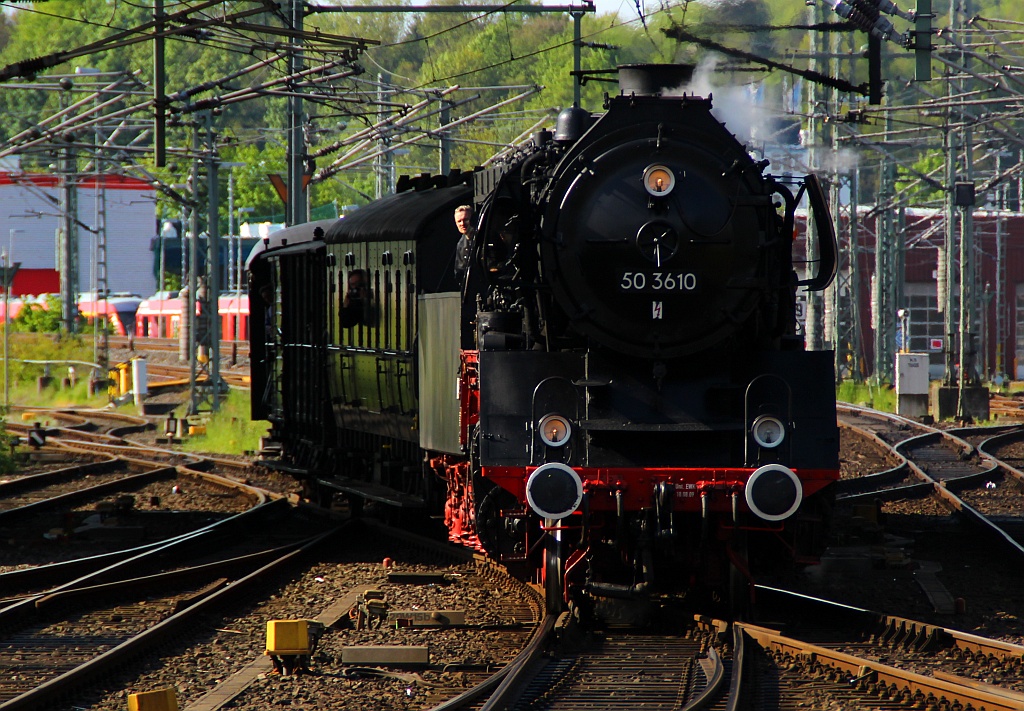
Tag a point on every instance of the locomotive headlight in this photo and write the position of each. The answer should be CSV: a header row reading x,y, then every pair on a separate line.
x,y
554,490
773,492
554,430
659,180
768,431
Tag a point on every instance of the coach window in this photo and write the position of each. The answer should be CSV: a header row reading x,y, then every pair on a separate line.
x,y
356,304
387,322
399,333
338,311
331,290
374,335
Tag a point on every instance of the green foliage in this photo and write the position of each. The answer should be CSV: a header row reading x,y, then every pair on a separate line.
x,y
6,30
70,24
913,183
480,52
7,463
252,188
172,281
35,318
423,51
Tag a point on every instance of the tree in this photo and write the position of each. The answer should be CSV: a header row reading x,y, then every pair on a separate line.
x,y
423,51
40,318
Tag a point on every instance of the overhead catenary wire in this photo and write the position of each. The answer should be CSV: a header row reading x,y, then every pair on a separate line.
x,y
320,175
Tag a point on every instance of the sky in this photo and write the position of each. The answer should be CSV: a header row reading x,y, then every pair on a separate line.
x,y
625,8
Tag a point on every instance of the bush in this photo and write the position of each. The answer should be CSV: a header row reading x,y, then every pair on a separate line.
x,y
7,465
37,318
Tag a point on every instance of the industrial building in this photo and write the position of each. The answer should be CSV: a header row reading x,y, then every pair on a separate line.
x,y
112,209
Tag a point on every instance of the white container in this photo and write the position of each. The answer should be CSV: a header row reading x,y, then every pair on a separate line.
x,y
139,383
911,373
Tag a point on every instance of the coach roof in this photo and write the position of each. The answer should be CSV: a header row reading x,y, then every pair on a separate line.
x,y
405,216
290,236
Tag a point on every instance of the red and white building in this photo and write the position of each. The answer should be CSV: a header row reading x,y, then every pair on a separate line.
x,y
999,278
30,219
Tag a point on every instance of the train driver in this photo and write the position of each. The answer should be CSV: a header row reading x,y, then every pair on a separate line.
x,y
464,249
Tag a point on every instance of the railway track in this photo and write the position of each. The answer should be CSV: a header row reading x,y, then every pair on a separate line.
x,y
112,623
113,536
947,473
693,668
819,655
165,375
955,467
88,495
171,345
79,432
824,655
118,604
71,581
445,676
624,669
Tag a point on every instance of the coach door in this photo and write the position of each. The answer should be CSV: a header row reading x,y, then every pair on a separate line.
x,y
304,394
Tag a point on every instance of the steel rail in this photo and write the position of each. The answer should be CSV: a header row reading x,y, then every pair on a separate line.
x,y
989,698
736,700
72,497
202,571
129,565
842,614
945,490
49,693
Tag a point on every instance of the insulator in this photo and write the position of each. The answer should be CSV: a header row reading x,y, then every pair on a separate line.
x,y
867,7
940,283
874,303
890,8
841,8
853,14
882,29
869,22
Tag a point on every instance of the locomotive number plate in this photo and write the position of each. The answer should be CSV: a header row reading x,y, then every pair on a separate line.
x,y
658,281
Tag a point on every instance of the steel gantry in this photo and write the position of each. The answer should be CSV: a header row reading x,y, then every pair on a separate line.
x,y
842,299
887,283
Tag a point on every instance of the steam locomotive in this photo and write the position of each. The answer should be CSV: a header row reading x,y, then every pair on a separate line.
x,y
612,397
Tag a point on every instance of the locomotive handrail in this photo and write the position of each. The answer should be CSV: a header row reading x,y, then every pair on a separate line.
x,y
828,247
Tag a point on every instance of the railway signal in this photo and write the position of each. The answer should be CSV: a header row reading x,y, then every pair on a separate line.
x,y
37,436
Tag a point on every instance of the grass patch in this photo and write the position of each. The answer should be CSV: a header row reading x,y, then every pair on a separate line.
x,y
34,355
880,397
229,430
